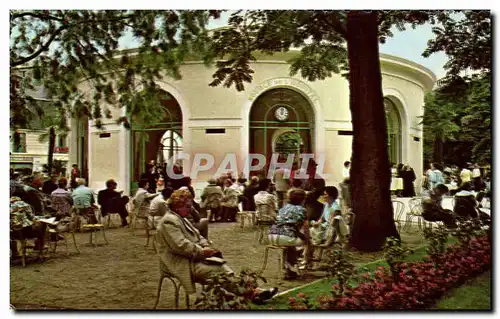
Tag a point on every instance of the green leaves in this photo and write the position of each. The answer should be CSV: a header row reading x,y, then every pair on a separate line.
x,y
465,37
66,47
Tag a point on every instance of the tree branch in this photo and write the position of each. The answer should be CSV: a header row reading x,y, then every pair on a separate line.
x,y
336,24
39,51
34,15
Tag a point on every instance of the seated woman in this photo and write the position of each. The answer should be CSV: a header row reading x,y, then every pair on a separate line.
x,y
286,231
331,210
183,251
24,226
211,198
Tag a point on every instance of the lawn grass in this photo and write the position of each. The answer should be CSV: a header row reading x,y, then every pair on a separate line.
x,y
475,295
323,286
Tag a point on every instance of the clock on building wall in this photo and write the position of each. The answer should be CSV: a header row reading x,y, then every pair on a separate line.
x,y
281,114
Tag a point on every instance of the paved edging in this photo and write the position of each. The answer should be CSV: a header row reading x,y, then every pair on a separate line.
x,y
316,281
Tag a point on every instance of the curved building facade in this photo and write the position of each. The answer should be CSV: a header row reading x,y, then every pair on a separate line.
x,y
275,113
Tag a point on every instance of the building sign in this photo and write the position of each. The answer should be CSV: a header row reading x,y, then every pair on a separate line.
x,y
284,82
21,159
60,150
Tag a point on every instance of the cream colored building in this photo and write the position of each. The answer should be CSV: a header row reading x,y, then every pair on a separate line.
x,y
29,152
276,112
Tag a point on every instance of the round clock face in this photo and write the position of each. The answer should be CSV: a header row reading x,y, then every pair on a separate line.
x,y
281,113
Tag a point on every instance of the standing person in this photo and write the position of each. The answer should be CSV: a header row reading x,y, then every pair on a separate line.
x,y
151,176
249,193
282,183
75,173
435,176
346,170
112,201
465,175
408,176
476,176
50,185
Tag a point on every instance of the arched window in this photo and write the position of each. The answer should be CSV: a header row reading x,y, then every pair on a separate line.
x,y
393,131
170,145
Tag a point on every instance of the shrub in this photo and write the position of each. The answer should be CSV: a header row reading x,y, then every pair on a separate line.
x,y
225,292
394,253
340,267
436,245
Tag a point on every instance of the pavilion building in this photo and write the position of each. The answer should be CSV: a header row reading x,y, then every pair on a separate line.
x,y
275,113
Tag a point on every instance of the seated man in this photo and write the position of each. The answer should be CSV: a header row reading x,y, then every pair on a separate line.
x,y
159,206
266,203
112,201
184,252
466,206
432,209
84,202
62,202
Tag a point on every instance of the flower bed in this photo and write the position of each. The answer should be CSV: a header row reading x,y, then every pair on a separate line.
x,y
418,285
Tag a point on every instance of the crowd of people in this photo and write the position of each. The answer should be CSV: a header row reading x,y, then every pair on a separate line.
x,y
468,187
299,212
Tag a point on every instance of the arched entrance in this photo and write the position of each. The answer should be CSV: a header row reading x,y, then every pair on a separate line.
x,y
157,141
394,131
282,121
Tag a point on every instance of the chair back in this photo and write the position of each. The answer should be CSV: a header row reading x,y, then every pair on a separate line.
x,y
399,208
416,206
61,205
144,208
265,212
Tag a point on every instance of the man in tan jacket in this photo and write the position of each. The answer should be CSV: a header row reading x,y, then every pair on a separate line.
x,y
183,250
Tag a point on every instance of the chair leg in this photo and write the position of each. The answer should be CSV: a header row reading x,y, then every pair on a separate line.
x,y
158,292
147,236
74,241
281,263
177,288
187,300
66,244
23,252
242,220
261,234
104,236
264,264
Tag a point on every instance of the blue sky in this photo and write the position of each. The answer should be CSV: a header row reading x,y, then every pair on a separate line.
x,y
408,44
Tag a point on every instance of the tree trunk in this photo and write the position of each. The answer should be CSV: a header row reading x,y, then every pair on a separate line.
x,y
438,150
52,144
370,169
